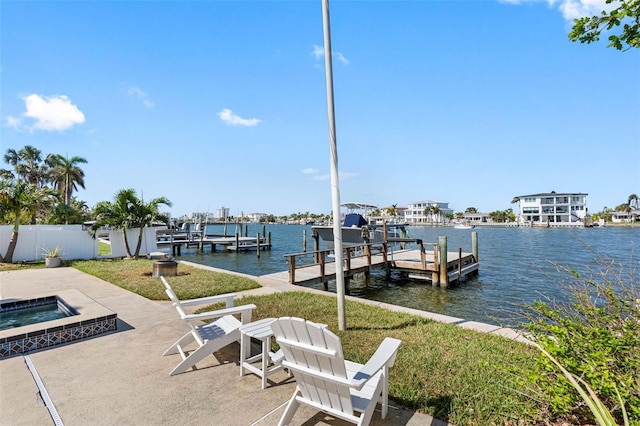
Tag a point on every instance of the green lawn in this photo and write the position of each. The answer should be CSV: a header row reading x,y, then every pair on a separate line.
x,y
454,374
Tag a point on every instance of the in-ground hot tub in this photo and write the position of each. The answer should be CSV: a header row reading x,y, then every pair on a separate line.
x,y
87,318
26,312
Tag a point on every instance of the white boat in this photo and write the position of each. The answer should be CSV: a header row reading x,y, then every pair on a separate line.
x,y
357,229
463,226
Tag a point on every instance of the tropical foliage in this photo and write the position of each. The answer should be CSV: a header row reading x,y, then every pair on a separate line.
x,y
48,174
18,202
621,23
503,215
127,211
595,337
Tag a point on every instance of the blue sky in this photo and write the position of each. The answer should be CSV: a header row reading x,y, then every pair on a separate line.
x,y
223,103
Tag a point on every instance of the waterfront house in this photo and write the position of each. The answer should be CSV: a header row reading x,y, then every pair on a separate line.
x,y
427,211
553,209
474,218
625,217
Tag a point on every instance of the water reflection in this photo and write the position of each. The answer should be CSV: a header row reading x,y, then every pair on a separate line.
x,y
516,266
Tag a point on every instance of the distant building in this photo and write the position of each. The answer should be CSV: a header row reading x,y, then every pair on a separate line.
x,y
553,209
256,217
222,213
625,217
417,212
476,218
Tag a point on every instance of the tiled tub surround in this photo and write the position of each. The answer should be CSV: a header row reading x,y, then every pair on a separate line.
x,y
92,319
15,311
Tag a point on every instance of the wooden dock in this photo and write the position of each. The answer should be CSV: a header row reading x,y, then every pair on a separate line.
x,y
435,264
177,240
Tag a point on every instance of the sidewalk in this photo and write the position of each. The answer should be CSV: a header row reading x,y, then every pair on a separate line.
x,y
122,378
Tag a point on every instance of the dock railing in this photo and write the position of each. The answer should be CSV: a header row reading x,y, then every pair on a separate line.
x,y
318,258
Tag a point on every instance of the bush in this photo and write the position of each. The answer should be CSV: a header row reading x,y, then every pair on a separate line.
x,y
595,336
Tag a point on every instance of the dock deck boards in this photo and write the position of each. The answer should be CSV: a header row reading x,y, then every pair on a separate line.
x,y
405,260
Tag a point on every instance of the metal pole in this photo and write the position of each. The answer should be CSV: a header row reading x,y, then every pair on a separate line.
x,y
335,181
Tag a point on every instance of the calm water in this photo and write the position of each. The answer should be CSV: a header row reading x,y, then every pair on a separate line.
x,y
27,316
515,265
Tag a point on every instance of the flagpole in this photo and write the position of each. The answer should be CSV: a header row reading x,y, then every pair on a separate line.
x,y
335,179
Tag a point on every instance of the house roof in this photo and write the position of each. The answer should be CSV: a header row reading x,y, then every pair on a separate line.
x,y
550,194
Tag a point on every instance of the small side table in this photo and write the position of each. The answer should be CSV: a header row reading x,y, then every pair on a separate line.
x,y
259,330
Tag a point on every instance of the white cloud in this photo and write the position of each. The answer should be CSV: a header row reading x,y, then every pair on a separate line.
x,y
140,94
49,113
310,171
318,53
231,119
571,9
13,122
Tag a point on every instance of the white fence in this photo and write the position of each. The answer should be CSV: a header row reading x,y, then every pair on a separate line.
x,y
75,242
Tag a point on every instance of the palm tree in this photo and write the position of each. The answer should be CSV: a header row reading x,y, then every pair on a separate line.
x,y
393,210
128,211
30,168
28,165
66,175
634,201
18,198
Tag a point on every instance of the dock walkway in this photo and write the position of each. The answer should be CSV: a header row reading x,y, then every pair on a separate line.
x,y
230,243
418,263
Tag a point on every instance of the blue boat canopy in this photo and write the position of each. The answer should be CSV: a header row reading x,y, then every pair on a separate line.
x,y
354,220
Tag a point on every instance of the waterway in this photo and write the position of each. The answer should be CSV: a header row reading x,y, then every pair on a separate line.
x,y
517,266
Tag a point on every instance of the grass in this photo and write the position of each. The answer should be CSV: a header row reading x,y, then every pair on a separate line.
x,y
454,374
190,283
451,373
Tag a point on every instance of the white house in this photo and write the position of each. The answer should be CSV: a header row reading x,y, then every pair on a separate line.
x,y
553,209
476,218
256,217
625,217
415,212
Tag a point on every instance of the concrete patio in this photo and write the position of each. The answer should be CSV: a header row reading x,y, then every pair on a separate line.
x,y
121,378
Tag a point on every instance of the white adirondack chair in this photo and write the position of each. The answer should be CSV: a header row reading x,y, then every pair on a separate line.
x,y
325,380
208,337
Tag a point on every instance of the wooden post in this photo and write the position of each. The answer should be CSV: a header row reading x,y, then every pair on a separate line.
x,y
347,254
367,253
435,275
246,230
292,269
385,260
459,263
238,241
264,229
258,245
304,240
474,245
325,283
316,245
224,230
444,276
384,230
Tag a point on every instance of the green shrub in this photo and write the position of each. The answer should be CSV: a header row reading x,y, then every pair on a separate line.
x,y
595,336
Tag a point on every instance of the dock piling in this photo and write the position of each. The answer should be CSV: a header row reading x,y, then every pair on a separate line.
x,y
474,245
443,279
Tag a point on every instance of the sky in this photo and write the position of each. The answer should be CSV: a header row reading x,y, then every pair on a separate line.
x,y
224,104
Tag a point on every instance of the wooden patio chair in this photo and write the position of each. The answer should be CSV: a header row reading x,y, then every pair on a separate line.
x,y
209,337
325,380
